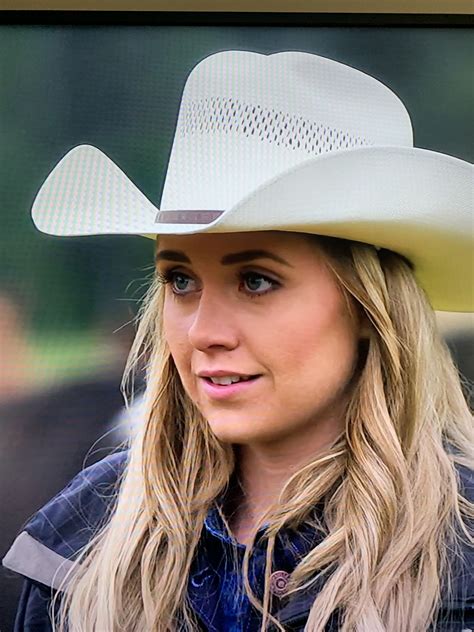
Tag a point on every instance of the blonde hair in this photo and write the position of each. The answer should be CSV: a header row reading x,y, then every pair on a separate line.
x,y
389,485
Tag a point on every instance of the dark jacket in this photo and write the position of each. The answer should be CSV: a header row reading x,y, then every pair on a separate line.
x,y
43,551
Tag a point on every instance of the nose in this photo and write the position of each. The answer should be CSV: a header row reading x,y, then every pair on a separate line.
x,y
213,324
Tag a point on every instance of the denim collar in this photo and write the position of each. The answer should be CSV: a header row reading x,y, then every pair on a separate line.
x,y
215,587
300,541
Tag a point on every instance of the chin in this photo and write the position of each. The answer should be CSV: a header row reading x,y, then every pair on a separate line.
x,y
244,432
234,429
228,428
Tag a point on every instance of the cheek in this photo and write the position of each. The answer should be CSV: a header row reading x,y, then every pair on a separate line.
x,y
322,346
175,334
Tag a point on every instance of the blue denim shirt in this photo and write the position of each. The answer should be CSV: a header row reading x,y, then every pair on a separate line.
x,y
55,534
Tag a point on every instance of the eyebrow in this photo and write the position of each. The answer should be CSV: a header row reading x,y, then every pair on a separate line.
x,y
234,257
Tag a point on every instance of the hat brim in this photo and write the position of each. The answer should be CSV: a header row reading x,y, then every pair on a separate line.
x,y
409,200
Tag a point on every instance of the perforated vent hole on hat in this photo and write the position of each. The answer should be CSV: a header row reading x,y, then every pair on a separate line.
x,y
294,132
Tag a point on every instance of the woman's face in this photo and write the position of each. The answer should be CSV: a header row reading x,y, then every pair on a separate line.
x,y
258,304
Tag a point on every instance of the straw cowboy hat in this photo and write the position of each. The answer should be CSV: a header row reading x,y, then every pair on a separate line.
x,y
289,141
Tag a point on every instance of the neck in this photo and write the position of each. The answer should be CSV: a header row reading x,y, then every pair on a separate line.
x,y
261,474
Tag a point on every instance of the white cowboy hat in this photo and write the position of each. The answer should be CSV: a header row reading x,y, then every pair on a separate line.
x,y
289,141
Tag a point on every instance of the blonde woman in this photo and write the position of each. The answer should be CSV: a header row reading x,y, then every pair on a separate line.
x,y
306,456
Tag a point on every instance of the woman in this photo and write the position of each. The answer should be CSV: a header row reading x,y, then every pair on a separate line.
x,y
306,456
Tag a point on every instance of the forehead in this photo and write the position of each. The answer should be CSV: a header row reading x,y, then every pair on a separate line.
x,y
215,245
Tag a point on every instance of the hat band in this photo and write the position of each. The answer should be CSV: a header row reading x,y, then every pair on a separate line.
x,y
187,217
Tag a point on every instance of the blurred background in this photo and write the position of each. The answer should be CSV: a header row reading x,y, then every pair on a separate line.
x,y
67,304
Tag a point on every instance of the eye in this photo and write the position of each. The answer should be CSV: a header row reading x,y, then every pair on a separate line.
x,y
253,281
178,280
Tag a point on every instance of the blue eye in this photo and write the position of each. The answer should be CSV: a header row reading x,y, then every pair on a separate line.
x,y
180,281
177,280
253,282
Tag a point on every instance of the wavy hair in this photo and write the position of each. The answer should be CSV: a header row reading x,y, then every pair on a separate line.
x,y
388,485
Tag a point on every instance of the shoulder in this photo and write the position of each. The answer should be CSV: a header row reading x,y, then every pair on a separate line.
x,y
462,569
66,521
55,534
466,481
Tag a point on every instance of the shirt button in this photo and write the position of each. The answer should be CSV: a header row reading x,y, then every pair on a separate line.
x,y
278,582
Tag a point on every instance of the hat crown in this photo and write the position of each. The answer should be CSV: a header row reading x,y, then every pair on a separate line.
x,y
292,142
246,117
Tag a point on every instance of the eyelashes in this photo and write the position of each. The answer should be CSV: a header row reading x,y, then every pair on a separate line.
x,y
169,277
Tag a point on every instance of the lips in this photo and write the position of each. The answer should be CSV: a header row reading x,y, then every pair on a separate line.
x,y
241,378
224,391
224,373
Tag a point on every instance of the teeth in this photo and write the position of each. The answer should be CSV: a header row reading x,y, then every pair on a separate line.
x,y
227,379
